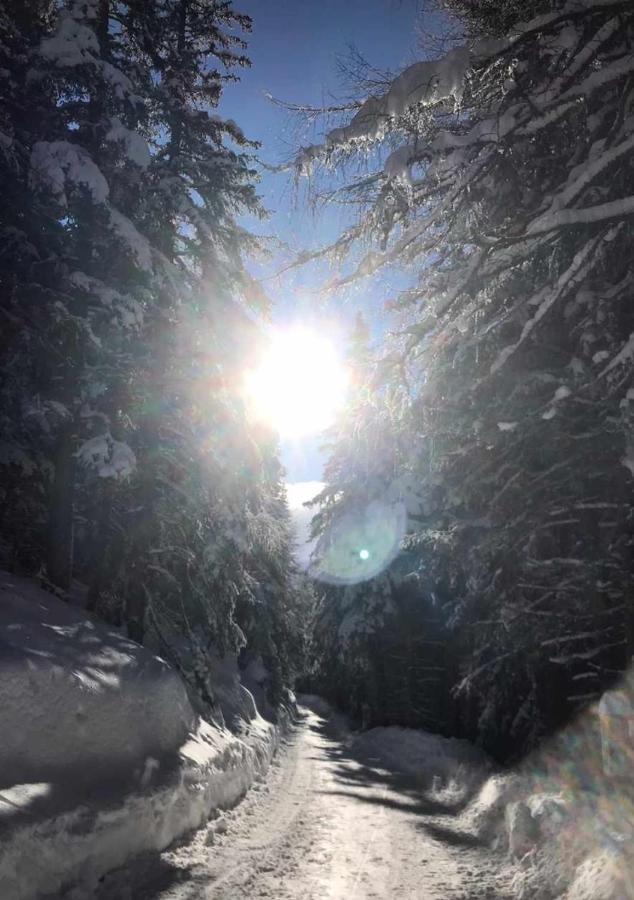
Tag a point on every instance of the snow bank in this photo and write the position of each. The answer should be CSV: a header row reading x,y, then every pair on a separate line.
x,y
486,813
102,756
317,704
76,697
419,752
566,815
448,769
43,856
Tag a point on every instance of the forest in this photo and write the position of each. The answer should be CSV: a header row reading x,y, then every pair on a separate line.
x,y
473,561
492,428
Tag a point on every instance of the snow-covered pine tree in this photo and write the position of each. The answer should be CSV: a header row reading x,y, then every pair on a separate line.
x,y
217,542
71,319
25,260
162,497
505,183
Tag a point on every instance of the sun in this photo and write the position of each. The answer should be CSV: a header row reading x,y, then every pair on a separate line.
x,y
299,383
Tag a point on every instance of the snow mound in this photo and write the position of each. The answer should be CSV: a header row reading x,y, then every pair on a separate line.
x,y
317,704
486,813
102,755
604,876
70,851
77,697
450,768
418,752
566,814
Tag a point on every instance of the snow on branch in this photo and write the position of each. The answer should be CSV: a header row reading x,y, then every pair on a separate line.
x,y
110,458
600,77
128,310
603,212
581,264
137,244
429,83
488,47
585,56
75,43
54,164
625,355
135,145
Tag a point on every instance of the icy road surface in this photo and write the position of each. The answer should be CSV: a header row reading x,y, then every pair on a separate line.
x,y
325,823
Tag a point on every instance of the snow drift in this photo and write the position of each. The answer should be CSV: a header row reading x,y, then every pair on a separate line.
x,y
102,756
446,768
111,704
565,816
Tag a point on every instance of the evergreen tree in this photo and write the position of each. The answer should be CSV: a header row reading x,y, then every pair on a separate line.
x,y
27,268
505,185
130,462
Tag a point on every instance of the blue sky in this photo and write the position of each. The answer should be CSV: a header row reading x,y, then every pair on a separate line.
x,y
294,48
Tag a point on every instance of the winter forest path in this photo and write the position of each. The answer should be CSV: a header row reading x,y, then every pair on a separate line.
x,y
325,823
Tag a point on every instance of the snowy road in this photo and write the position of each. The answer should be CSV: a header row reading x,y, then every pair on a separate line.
x,y
325,823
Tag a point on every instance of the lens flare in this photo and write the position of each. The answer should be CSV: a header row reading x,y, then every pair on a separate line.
x,y
299,384
361,544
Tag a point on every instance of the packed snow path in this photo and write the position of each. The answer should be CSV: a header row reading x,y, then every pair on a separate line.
x,y
325,823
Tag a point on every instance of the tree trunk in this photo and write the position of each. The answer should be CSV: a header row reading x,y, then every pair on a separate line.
x,y
106,547
135,609
59,563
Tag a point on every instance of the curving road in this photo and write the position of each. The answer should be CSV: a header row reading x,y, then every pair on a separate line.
x,y
325,823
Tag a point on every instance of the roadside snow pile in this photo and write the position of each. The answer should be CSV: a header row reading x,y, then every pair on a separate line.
x,y
486,813
566,815
453,769
317,704
59,669
102,756
572,843
419,752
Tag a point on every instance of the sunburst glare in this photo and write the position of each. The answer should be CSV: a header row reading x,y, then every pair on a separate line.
x,y
299,383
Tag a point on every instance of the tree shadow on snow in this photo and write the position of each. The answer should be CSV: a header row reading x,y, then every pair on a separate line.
x,y
367,778
97,790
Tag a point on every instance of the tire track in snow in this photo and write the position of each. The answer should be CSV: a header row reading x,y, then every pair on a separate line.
x,y
323,825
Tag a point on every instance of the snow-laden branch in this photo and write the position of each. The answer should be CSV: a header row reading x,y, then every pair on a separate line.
x,y
581,264
625,355
428,83
585,56
55,164
486,48
588,174
138,245
603,212
109,458
599,78
136,146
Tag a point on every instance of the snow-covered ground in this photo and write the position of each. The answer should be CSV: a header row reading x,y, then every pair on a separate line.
x,y
565,816
102,756
104,764
339,816
398,813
